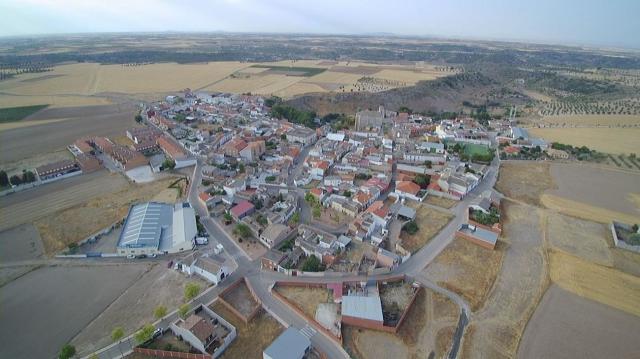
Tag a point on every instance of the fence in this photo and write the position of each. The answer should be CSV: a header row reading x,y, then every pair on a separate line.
x,y
167,354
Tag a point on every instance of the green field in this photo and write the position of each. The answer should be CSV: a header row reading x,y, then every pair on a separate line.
x,y
12,114
473,149
293,70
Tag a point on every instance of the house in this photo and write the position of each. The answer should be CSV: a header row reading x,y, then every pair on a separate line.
x,y
274,234
175,152
480,236
291,344
408,189
387,259
205,331
57,169
557,154
303,135
362,311
206,199
253,151
242,209
212,269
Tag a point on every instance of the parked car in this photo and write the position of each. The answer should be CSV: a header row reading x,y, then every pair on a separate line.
x,y
141,256
157,333
153,255
131,256
202,240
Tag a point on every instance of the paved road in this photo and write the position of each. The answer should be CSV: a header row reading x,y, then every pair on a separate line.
x,y
263,281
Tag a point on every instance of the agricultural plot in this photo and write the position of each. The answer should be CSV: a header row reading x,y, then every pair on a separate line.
x,y
292,70
524,181
12,114
596,330
608,140
591,120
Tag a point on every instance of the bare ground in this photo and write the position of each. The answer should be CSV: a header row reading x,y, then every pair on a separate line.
x,y
158,286
430,221
253,337
305,298
240,298
428,328
467,269
441,201
496,328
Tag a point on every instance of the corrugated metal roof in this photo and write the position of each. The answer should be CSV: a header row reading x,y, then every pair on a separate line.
x,y
290,344
362,307
144,225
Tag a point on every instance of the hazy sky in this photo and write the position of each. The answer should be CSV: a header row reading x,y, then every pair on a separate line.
x,y
590,22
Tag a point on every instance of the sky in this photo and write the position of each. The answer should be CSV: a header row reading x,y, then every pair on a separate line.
x,y
613,23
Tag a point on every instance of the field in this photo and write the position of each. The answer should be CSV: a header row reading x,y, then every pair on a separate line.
x,y
591,120
524,181
429,221
441,201
253,337
467,269
473,149
86,84
29,206
567,326
305,298
608,140
68,295
602,284
585,239
611,191
12,114
53,129
75,223
428,328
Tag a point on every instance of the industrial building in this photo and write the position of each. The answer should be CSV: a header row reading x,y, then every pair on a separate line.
x,y
291,344
158,228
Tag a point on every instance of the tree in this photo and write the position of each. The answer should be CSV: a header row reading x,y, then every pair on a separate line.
x,y
309,197
346,193
295,218
312,264
191,290
67,351
422,180
28,176
183,310
242,230
15,180
138,118
241,168
117,333
317,212
168,164
160,311
227,218
261,220
411,227
4,179
145,333
634,228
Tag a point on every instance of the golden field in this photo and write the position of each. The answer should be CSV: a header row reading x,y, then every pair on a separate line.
x,y
605,285
608,140
592,120
83,84
585,211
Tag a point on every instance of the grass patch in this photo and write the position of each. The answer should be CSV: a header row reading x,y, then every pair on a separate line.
x,y
13,114
473,149
294,70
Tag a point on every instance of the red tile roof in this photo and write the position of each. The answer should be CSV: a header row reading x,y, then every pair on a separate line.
x,y
241,208
408,187
171,148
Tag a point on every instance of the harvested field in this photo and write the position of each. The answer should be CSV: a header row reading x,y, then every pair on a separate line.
x,y
30,205
73,224
605,285
253,337
13,114
568,326
585,211
585,239
596,186
524,181
240,299
430,221
36,161
302,87
335,78
53,100
305,298
467,269
59,295
18,143
441,201
496,328
20,243
157,286
591,120
608,140
407,76
428,328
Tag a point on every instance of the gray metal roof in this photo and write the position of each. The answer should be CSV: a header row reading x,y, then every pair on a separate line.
x,y
291,344
362,307
145,224
479,233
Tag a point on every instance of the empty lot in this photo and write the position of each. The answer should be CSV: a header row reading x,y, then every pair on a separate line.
x,y
568,326
49,306
30,205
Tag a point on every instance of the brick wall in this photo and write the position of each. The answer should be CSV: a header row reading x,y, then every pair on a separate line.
x,y
167,354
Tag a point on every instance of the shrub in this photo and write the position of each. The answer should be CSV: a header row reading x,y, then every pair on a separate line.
x,y
411,227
